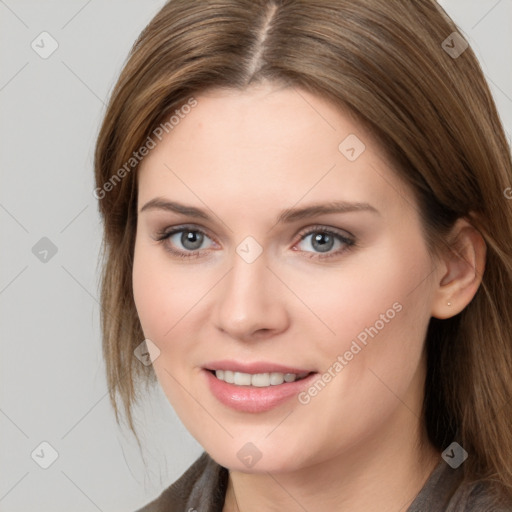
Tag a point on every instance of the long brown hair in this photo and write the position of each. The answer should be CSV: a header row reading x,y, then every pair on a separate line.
x,y
386,61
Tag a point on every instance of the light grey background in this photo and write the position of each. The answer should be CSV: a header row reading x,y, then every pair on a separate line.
x,y
51,370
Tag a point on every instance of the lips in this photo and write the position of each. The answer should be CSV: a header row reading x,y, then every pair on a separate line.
x,y
255,367
257,387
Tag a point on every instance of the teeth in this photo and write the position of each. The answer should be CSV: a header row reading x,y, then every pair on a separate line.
x,y
259,380
242,379
276,378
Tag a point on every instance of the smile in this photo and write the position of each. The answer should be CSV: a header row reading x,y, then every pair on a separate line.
x,y
255,387
259,380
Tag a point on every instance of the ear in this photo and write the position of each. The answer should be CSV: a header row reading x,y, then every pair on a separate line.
x,y
461,266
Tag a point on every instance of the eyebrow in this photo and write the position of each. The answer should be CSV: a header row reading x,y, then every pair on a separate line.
x,y
286,216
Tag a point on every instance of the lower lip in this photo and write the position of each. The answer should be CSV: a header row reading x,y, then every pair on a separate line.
x,y
254,399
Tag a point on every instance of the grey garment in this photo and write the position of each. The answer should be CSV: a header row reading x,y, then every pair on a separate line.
x,y
202,488
444,491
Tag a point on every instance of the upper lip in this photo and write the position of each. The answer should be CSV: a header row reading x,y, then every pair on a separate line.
x,y
254,367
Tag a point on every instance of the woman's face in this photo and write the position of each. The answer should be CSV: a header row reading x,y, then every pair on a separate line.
x,y
273,238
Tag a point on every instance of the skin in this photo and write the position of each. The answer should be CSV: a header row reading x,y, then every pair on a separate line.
x,y
243,157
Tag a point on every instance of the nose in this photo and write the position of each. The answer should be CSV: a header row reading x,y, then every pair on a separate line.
x,y
251,302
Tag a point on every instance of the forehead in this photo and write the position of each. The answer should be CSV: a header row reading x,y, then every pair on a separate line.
x,y
273,147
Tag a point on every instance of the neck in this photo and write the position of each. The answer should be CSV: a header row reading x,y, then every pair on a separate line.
x,y
387,473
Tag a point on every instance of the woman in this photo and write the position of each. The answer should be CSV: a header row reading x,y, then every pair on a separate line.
x,y
307,222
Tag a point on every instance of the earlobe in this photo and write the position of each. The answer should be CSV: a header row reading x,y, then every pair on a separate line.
x,y
463,266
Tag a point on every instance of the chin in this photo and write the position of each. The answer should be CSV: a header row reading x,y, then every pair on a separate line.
x,y
249,458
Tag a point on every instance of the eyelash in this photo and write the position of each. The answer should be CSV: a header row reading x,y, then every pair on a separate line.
x,y
349,243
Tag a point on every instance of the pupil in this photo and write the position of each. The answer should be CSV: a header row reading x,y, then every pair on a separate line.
x,y
191,240
324,242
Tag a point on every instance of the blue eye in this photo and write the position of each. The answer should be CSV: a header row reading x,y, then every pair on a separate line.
x,y
190,242
181,241
323,241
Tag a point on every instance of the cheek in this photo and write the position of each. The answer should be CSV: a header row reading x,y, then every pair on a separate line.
x,y
161,301
353,295
145,292
377,309
158,296
170,299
